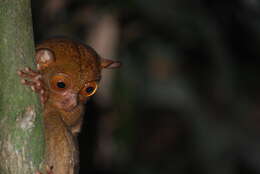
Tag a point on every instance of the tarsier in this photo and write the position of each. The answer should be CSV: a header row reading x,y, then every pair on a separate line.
x,y
67,74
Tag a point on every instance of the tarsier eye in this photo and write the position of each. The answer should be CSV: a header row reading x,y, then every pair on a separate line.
x,y
61,85
60,82
89,89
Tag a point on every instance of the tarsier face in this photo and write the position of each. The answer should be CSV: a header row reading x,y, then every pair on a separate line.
x,y
71,72
66,95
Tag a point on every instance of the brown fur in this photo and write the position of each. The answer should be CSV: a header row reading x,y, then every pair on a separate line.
x,y
63,111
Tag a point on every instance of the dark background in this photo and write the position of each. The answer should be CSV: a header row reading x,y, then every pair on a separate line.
x,y
186,99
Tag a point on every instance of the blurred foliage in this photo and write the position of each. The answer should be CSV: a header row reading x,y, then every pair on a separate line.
x,y
186,99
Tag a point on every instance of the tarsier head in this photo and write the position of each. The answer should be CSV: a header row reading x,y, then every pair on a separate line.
x,y
71,71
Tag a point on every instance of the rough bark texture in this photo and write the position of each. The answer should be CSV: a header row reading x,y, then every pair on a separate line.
x,y
21,137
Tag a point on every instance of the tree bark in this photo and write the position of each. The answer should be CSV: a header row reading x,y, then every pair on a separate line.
x,y
21,130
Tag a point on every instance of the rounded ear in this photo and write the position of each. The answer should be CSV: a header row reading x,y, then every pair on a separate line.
x,y
110,64
44,57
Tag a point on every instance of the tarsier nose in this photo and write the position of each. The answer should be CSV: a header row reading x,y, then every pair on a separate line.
x,y
74,100
70,102
73,103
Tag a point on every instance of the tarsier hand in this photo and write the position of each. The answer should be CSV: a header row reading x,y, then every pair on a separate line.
x,y
34,80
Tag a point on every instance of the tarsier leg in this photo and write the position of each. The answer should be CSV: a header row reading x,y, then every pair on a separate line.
x,y
34,80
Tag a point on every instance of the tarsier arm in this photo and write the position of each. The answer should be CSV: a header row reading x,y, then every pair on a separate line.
x,y
67,74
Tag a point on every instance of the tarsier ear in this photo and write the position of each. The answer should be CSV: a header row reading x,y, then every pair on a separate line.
x,y
44,57
109,64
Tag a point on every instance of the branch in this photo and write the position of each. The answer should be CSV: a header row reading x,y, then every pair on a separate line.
x,y
21,135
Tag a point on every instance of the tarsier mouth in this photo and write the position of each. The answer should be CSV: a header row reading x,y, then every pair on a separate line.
x,y
68,106
70,109
68,102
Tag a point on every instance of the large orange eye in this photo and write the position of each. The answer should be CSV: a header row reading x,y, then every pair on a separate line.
x,y
89,89
60,82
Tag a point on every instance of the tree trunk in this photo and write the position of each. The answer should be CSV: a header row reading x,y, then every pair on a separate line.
x,y
21,130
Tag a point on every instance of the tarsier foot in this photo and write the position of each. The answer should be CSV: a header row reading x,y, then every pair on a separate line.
x,y
48,171
33,79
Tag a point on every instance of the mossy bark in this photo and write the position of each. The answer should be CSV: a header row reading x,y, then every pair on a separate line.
x,y
21,131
